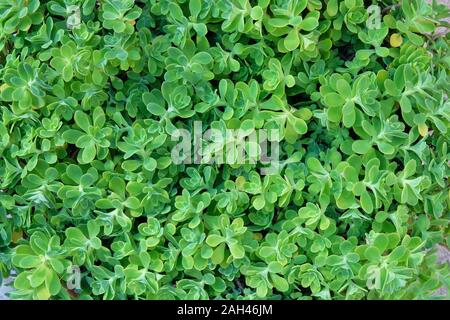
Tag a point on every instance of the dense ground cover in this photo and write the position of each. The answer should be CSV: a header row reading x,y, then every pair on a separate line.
x,y
96,95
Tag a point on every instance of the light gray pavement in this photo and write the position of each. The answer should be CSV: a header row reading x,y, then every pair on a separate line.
x,y
5,288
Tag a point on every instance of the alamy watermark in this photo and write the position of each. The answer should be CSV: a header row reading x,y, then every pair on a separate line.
x,y
374,19
227,146
73,17
374,278
73,281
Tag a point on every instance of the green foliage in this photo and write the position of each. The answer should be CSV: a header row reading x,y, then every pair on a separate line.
x,y
89,105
